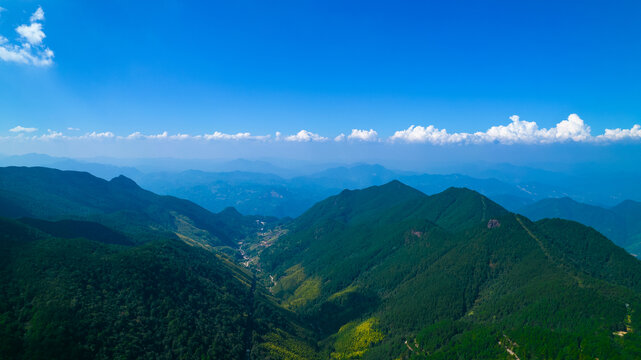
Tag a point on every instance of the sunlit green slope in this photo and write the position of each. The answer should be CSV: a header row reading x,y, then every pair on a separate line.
x,y
456,276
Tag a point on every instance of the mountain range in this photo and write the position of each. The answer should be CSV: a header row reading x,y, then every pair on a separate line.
x,y
620,223
120,203
453,275
278,187
105,269
268,194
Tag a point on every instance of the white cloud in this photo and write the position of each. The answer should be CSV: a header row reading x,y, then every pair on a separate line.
x,y
29,50
420,134
518,131
38,15
32,33
618,134
2,10
363,135
98,135
214,136
571,129
217,135
305,136
180,136
134,136
50,135
164,135
26,54
20,129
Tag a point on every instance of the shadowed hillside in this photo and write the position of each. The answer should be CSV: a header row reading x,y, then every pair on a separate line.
x,y
76,298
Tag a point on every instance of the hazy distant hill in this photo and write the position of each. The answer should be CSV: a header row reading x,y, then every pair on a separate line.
x,y
250,193
454,276
268,194
630,211
119,203
517,185
102,170
621,223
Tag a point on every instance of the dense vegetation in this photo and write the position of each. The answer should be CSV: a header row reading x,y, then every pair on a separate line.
x,y
77,298
120,204
103,269
443,284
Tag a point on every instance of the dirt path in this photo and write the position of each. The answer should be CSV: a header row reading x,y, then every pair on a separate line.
x,y
508,349
408,346
560,265
484,207
538,241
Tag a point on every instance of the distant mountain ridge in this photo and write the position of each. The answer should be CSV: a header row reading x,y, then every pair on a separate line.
x,y
119,203
268,194
620,223
513,186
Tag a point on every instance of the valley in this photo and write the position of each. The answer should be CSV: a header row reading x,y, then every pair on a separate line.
x,y
378,273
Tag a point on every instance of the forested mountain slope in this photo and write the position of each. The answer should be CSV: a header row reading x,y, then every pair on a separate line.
x,y
120,203
456,276
75,298
96,269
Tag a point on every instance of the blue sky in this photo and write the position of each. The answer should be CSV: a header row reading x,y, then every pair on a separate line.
x,y
327,67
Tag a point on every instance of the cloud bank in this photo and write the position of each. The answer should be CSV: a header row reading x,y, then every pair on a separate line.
x,y
363,135
28,48
305,136
571,130
19,129
517,132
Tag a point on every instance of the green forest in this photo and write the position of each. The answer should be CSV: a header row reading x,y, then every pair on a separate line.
x,y
385,272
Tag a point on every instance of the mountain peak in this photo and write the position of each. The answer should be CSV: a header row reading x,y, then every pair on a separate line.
x,y
360,204
459,208
230,211
392,190
462,192
125,182
459,191
396,184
